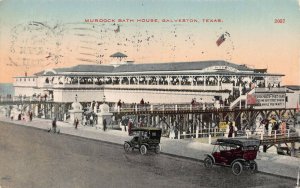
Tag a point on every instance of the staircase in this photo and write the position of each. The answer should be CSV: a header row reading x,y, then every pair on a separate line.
x,y
241,98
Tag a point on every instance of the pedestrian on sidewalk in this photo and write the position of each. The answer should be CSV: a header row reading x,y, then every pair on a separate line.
x,y
30,115
84,122
125,127
129,127
92,121
104,124
54,125
76,122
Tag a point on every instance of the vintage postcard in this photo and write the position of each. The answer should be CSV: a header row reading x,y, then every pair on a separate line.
x,y
149,93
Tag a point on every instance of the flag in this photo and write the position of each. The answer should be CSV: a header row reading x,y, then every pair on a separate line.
x,y
117,30
220,40
251,99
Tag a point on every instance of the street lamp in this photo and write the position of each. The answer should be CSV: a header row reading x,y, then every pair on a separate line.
x,y
104,98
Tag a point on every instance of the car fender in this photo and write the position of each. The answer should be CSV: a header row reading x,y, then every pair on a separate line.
x,y
211,156
128,142
147,145
240,160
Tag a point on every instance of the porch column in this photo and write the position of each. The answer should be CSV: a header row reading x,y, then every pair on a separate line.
x,y
63,80
219,82
204,82
235,81
179,79
157,78
120,80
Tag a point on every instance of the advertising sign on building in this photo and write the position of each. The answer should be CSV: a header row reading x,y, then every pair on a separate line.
x,y
270,100
273,80
222,126
251,99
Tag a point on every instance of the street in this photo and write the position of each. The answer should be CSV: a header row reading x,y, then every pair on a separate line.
x,y
35,158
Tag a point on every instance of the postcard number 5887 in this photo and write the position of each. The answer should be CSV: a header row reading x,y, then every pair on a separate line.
x,y
279,21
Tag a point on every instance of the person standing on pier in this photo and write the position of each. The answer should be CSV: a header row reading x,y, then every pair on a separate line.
x,y
230,130
283,128
119,104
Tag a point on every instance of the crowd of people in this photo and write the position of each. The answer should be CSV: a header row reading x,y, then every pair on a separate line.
x,y
273,124
141,105
20,115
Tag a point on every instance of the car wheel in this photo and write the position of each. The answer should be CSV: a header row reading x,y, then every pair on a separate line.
x,y
126,147
253,167
237,168
208,162
143,150
157,149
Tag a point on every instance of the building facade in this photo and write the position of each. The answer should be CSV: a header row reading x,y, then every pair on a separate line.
x,y
179,82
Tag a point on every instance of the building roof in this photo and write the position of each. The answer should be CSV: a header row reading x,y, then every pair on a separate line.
x,y
152,67
293,87
178,66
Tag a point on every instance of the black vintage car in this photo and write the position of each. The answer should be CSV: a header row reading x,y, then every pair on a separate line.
x,y
144,139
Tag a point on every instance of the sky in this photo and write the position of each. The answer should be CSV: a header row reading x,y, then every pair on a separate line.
x,y
44,34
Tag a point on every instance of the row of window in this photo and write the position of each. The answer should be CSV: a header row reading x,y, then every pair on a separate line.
x,y
25,79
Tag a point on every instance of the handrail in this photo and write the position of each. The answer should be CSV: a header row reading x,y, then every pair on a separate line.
x,y
242,97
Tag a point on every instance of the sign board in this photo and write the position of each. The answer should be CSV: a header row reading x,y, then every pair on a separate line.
x,y
222,126
251,99
273,80
269,100
215,68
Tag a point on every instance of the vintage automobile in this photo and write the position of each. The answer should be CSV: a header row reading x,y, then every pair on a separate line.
x,y
237,153
144,139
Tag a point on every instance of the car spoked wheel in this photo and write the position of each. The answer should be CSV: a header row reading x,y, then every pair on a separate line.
x,y
126,147
237,168
253,167
208,162
157,149
143,150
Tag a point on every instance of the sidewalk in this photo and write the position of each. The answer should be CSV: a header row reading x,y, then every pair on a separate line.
x,y
267,162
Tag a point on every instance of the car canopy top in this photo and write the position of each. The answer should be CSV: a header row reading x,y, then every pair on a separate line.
x,y
153,133
244,142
